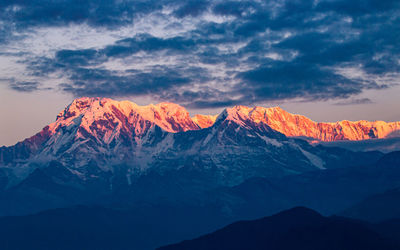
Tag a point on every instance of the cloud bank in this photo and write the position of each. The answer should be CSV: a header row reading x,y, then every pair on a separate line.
x,y
203,54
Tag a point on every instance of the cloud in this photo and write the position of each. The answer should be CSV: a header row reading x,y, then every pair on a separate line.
x,y
83,57
286,80
110,13
358,7
100,82
147,43
24,86
191,8
234,8
213,53
355,101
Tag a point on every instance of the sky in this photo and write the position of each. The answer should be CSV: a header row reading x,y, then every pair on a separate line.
x,y
327,59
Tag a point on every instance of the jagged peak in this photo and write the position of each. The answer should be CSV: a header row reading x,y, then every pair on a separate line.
x,y
247,110
171,108
256,113
86,111
84,104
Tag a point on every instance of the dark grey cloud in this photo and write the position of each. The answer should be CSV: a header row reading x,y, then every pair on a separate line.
x,y
258,51
354,102
290,80
192,8
145,42
24,86
105,13
85,57
358,7
234,8
159,81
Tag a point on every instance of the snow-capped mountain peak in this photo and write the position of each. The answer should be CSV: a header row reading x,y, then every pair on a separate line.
x,y
294,125
106,119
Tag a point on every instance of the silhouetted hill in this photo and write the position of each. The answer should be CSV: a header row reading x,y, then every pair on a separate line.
x,y
98,228
297,228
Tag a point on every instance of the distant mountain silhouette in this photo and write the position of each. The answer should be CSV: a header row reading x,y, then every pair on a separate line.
x,y
298,228
377,208
143,227
146,227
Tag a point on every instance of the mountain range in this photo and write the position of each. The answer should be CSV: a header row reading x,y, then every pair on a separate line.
x,y
204,170
110,122
99,142
114,132
109,132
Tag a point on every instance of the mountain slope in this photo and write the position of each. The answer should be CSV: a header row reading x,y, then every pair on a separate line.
x,y
145,227
384,204
297,228
329,192
376,208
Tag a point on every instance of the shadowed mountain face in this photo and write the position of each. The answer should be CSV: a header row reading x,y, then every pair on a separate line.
x,y
297,228
97,228
376,208
329,191
170,208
